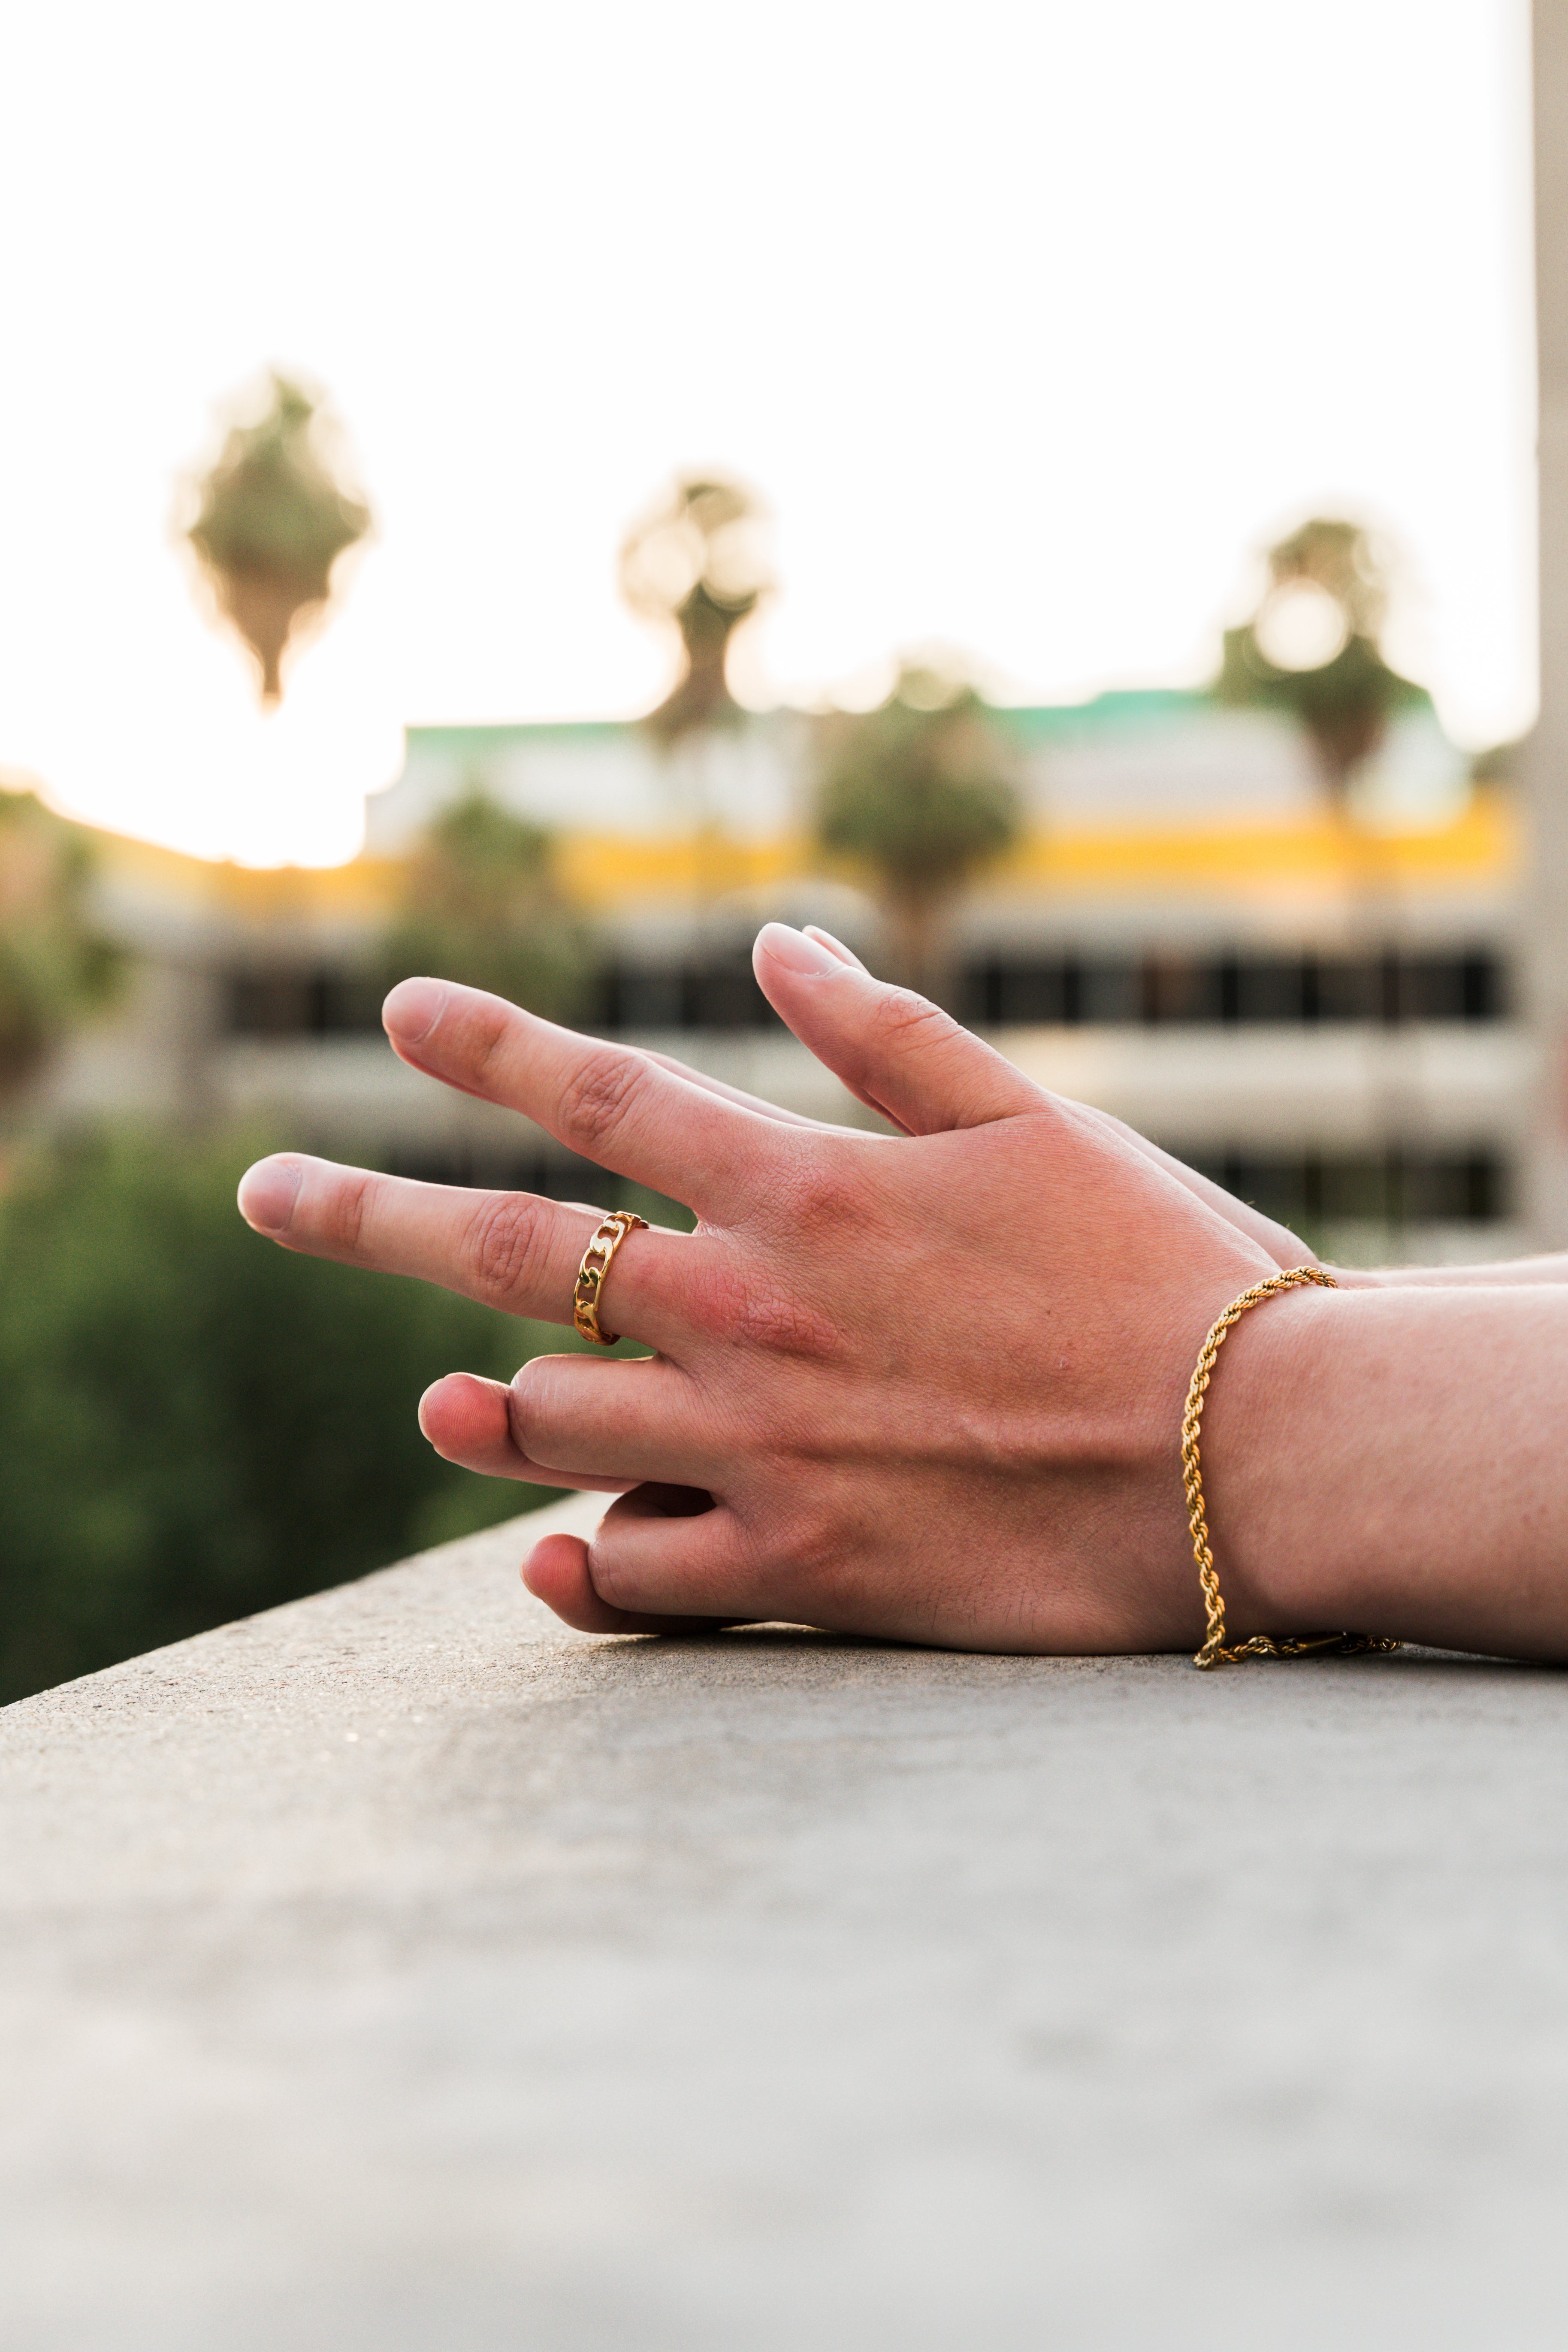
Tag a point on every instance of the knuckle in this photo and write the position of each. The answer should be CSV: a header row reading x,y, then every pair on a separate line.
x,y
782,1323
533,1398
349,1212
598,1098
819,1552
822,1195
507,1247
615,1578
741,1302
900,1019
487,1032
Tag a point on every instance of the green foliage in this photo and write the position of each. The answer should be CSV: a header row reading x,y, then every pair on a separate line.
x,y
700,561
54,966
919,792
481,906
274,517
1344,702
195,1425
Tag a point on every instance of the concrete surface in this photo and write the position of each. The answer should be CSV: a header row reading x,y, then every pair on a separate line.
x,y
398,1971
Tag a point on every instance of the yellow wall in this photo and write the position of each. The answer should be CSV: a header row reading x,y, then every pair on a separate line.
x,y
605,871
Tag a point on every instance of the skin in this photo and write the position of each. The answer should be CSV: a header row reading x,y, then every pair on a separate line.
x,y
929,1385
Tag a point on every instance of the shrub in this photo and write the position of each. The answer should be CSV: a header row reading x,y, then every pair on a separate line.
x,y
195,1425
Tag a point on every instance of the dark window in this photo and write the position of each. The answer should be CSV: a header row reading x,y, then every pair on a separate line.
x,y
1485,994
697,993
1450,988
1110,989
1162,987
302,1004
269,1004
1023,990
1394,1188
1344,988
561,1177
350,1004
1183,988
643,996
724,994
1271,987
1235,987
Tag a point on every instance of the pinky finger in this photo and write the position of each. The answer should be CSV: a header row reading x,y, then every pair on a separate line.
x,y
556,1572
672,1552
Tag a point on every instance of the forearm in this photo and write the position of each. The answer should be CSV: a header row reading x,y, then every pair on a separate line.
x,y
1394,1461
1507,1275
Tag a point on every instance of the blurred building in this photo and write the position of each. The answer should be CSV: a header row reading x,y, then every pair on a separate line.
x,y
1545,962
1321,1014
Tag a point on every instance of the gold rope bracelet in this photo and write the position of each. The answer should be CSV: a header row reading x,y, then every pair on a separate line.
x,y
1262,1645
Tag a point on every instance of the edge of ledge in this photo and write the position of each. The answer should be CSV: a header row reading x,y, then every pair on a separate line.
x,y
463,1580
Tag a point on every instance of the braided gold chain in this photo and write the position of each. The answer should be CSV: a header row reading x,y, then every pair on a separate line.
x,y
1262,1645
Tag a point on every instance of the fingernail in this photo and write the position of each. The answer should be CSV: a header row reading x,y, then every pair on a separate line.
x,y
268,1193
794,951
844,955
413,1009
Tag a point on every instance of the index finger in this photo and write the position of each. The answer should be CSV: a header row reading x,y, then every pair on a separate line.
x,y
610,1103
773,1111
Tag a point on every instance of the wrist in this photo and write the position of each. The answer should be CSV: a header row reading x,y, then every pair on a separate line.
x,y
1354,1277
1273,1530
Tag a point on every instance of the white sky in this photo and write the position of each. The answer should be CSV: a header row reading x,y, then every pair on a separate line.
x,y
1030,319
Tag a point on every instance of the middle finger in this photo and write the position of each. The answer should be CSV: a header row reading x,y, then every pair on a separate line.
x,y
610,1103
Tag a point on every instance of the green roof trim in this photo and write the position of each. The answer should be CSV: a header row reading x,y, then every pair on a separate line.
x,y
1120,709
502,735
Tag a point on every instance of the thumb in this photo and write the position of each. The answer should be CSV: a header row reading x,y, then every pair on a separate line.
x,y
894,1051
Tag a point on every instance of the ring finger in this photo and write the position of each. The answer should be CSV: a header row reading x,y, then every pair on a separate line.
x,y
469,1421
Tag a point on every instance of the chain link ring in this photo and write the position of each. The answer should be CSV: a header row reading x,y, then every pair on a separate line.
x,y
597,1259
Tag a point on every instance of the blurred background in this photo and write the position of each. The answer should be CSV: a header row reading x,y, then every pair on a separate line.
x,y
1049,494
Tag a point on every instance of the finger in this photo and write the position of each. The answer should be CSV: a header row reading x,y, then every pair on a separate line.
x,y
1278,1241
827,940
836,948
622,1421
509,1250
610,1104
748,1102
556,1572
469,1421
671,1552
904,1056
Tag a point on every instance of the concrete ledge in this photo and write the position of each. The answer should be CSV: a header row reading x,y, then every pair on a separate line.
x,y
398,1970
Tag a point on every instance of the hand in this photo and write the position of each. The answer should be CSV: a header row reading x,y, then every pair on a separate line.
x,y
925,1386
1281,1244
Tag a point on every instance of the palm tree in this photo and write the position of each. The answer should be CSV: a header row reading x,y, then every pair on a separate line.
x,y
919,792
53,965
274,516
698,562
1311,649
481,905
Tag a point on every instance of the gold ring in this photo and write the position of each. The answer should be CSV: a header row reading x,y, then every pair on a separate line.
x,y
591,1275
